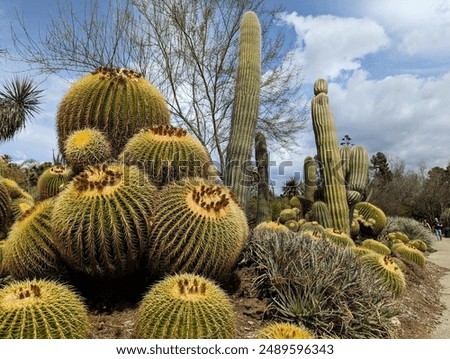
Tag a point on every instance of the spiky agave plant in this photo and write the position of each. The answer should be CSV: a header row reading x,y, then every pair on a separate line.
x,y
284,331
41,309
185,306
19,99
102,220
198,227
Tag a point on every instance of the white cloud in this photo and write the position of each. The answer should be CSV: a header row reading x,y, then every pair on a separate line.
x,y
403,116
421,27
331,45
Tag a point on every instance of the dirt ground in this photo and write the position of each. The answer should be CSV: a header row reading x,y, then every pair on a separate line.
x,y
420,308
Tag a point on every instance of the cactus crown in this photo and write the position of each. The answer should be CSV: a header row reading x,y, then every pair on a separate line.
x,y
58,170
190,289
168,131
99,180
116,74
210,200
22,296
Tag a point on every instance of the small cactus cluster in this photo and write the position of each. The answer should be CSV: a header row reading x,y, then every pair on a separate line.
x,y
185,306
410,253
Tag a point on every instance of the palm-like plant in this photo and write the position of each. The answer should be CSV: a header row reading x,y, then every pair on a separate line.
x,y
19,99
291,188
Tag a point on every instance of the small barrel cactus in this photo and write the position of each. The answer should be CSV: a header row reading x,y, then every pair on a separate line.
x,y
410,253
86,147
168,154
292,225
420,245
284,331
198,227
372,219
41,309
118,102
313,229
20,205
30,251
185,306
376,246
270,226
386,271
52,180
102,220
287,215
338,237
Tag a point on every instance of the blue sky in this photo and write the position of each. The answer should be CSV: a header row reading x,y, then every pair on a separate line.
x,y
386,62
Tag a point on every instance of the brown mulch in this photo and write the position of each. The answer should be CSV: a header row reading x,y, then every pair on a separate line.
x,y
419,308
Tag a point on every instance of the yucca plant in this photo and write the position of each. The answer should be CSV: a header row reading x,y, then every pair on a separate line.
x,y
19,99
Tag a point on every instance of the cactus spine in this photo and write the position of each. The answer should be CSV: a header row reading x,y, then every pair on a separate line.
x,y
185,306
198,227
263,208
102,220
30,251
41,309
333,187
245,107
118,102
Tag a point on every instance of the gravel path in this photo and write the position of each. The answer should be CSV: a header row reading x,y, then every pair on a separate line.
x,y
442,258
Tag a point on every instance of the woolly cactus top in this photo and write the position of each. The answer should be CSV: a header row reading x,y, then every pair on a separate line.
x,y
59,170
98,180
118,74
23,296
210,201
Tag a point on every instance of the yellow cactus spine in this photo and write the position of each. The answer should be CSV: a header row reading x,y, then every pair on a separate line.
x,y
285,331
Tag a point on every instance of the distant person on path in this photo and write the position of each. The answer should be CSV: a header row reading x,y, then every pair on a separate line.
x,y
438,227
426,224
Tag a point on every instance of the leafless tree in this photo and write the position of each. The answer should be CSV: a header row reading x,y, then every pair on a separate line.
x,y
188,49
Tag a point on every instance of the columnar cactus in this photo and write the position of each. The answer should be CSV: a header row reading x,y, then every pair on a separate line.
x,y
102,220
41,309
198,227
185,306
284,331
52,180
263,208
245,107
86,147
168,154
320,213
358,176
309,169
30,251
333,185
118,102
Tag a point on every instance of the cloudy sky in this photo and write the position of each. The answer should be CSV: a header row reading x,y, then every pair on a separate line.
x,y
387,64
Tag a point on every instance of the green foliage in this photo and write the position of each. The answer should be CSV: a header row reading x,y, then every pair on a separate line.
x,y
52,181
291,188
117,102
30,251
41,309
284,331
19,99
185,306
102,220
198,227
319,285
168,154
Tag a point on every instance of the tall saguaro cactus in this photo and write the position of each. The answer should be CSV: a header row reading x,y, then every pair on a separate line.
x,y
263,209
245,107
333,185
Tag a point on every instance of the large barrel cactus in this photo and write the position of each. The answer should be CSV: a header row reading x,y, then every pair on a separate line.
x,y
30,251
284,331
52,180
168,154
198,227
41,309
185,306
102,220
118,102
86,147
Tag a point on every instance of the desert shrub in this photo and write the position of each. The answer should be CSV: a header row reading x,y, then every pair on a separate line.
x,y
319,285
412,228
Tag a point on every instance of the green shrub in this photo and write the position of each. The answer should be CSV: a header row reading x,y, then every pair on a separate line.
x,y
411,227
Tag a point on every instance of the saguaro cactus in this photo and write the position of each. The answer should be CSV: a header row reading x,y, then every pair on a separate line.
x,y
263,209
245,107
333,185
